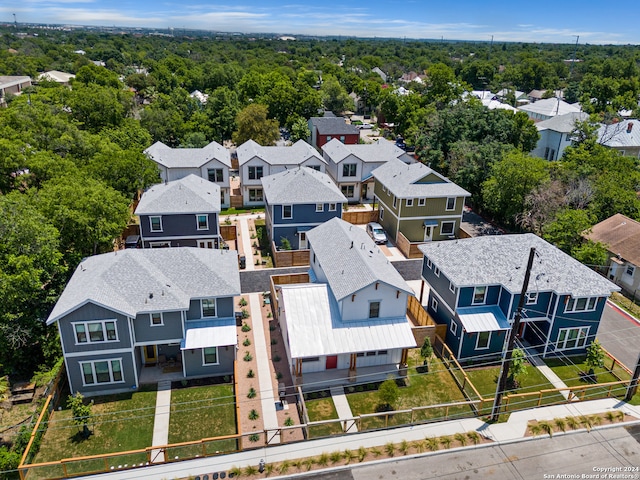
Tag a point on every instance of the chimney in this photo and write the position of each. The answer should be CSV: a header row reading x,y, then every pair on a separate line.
x,y
629,127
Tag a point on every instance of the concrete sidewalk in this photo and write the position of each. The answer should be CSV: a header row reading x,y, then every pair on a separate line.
x,y
534,359
161,421
343,409
510,431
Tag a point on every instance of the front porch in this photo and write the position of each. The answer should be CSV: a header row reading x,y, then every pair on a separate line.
x,y
152,374
343,377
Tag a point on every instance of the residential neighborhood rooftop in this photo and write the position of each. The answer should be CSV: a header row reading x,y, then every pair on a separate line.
x,y
145,280
549,107
294,155
563,123
622,134
333,126
188,157
502,260
191,194
379,151
350,259
406,181
620,234
314,319
301,185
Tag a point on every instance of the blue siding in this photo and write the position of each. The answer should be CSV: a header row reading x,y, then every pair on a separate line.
x,y
573,320
179,225
503,303
193,362
439,284
87,313
302,215
128,375
224,306
466,296
170,330
496,342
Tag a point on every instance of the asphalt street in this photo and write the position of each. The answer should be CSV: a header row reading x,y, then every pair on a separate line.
x,y
620,335
606,453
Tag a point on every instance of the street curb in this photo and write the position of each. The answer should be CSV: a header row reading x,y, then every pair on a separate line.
x,y
622,312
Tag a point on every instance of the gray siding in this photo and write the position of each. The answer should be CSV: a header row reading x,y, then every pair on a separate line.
x,y
91,312
193,362
224,307
179,225
145,332
128,375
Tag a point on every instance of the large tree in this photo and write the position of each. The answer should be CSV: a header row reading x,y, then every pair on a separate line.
x,y
253,124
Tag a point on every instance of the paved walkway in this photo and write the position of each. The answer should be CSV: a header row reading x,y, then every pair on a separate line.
x,y
512,430
161,420
343,409
265,381
245,238
534,359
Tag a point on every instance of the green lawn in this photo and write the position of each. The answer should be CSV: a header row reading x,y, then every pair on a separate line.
x,y
569,369
120,423
202,412
485,381
322,409
435,387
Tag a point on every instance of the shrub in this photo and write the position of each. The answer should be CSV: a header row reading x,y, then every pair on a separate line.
x,y
251,374
254,437
572,423
560,424
432,443
404,447
253,414
289,422
348,455
323,459
445,440
8,460
243,302
335,457
235,471
308,463
474,437
250,470
274,341
535,429
546,427
279,375
390,449
245,314
276,358
246,342
284,467
252,393
461,438
247,357
362,454
245,327
388,393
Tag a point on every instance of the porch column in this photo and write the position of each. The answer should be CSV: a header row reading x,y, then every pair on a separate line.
x,y
352,362
298,367
405,356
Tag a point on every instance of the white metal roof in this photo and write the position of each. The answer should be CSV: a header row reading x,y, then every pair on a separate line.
x,y
314,326
483,319
209,333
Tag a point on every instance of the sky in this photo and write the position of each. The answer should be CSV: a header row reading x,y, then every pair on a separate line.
x,y
545,21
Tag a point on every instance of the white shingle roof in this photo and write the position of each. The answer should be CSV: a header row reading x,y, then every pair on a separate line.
x,y
191,194
188,157
143,280
350,259
301,185
502,260
549,107
404,181
315,328
377,152
295,155
563,123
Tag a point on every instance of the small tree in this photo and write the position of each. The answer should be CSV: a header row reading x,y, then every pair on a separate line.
x,y
595,358
285,244
517,368
426,351
388,394
81,413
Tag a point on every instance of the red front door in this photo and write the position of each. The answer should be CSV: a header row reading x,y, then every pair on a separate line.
x,y
332,362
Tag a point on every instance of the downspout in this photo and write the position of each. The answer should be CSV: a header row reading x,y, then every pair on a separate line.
x,y
399,213
553,319
184,363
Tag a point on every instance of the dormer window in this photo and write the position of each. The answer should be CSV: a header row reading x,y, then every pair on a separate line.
x,y
208,307
203,222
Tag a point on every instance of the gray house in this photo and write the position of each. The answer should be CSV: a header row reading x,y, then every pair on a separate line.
x,y
211,162
298,200
182,213
124,310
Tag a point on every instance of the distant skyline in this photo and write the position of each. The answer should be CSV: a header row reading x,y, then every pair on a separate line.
x,y
544,21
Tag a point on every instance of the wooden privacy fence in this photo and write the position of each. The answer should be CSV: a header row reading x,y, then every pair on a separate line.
x,y
228,232
289,258
423,325
360,217
407,248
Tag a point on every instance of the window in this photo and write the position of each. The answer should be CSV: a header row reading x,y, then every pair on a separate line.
x,y
103,371
255,195
156,319
310,359
451,203
222,197
208,307
422,202
371,354
409,202
347,191
453,288
156,224
446,228
287,211
342,138
328,138
314,167
434,304
572,338
94,332
349,170
374,309
210,356
453,327
532,298
203,222
215,175
479,295
630,270
482,342
384,189
255,173
333,207
382,352
395,201
319,207
436,271
160,244
581,304
381,213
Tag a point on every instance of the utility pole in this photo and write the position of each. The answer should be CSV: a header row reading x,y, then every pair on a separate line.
x,y
506,360
490,47
633,384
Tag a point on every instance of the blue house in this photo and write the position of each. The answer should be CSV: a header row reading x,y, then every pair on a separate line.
x,y
182,213
125,316
298,200
475,287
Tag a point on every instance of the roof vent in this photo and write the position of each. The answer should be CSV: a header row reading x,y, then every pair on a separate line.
x,y
150,295
629,127
351,244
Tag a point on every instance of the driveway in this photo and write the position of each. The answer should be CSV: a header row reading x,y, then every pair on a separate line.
x,y
620,335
